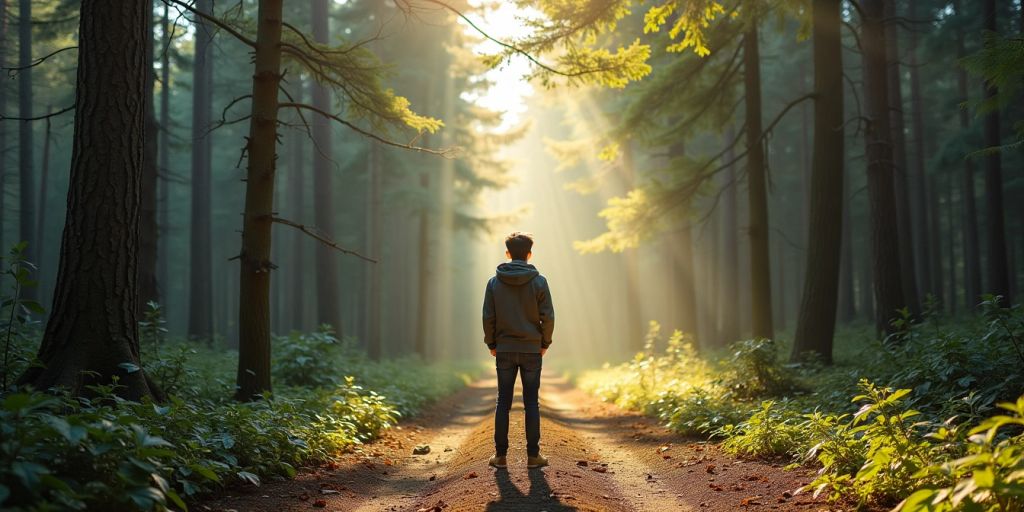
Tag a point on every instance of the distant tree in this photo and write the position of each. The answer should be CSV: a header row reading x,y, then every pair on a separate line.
x,y
998,282
328,305
164,152
26,147
3,113
148,228
91,336
972,251
816,320
887,272
907,191
200,301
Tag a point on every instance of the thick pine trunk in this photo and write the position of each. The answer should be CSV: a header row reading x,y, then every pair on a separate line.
x,y
148,232
163,171
93,326
27,191
200,311
888,272
998,275
729,296
906,189
253,377
328,305
760,261
972,247
816,321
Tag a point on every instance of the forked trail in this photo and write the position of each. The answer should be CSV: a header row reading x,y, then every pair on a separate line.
x,y
602,458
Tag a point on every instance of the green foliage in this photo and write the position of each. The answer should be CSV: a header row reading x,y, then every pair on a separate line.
x,y
927,436
16,311
770,432
302,359
989,477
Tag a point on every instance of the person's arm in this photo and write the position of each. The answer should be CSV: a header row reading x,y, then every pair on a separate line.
x,y
547,315
490,318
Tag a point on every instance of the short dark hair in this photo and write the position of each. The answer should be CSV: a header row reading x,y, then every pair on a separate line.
x,y
519,244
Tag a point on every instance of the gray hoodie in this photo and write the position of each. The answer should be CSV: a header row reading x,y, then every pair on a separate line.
x,y
518,314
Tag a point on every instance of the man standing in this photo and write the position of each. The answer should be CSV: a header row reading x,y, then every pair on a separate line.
x,y
518,322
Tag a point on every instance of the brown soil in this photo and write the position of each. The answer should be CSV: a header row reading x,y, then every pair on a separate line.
x,y
602,458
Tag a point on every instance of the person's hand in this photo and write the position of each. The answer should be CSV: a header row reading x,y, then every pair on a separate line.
x,y
543,351
494,352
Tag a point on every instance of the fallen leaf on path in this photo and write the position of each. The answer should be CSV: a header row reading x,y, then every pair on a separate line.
x,y
581,463
752,500
433,477
472,474
329,491
710,469
422,449
663,448
600,469
320,504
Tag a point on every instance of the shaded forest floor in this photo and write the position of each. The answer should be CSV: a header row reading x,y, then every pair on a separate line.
x,y
602,458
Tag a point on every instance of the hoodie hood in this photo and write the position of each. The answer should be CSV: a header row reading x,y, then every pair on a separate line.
x,y
516,272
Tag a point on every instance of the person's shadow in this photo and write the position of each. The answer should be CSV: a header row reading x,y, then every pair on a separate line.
x,y
539,498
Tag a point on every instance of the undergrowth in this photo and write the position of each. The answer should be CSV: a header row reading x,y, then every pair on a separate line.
x,y
59,452
911,422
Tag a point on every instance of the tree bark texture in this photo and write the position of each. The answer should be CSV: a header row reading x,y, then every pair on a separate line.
x,y
887,274
760,260
93,326
816,320
3,126
200,311
254,279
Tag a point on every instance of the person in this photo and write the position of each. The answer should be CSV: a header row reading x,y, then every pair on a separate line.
x,y
519,320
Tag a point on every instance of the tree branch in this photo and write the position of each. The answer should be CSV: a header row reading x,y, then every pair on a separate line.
x,y
320,237
447,153
13,71
216,21
38,118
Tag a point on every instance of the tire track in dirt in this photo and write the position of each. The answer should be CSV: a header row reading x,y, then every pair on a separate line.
x,y
602,458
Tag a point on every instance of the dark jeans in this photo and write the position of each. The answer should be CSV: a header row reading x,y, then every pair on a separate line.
x,y
507,364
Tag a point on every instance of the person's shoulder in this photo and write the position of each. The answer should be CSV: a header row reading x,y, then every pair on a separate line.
x,y
541,280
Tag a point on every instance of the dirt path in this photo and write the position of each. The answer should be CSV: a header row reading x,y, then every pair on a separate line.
x,y
602,458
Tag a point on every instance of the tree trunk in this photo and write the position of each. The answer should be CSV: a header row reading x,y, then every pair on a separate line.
x,y
254,279
373,292
44,179
760,261
328,305
3,126
924,256
998,268
163,171
148,232
297,204
729,297
935,249
906,190
951,246
93,326
972,247
27,191
200,311
888,273
847,310
423,272
816,321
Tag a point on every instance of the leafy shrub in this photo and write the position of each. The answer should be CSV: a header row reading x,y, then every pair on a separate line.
x,y
989,477
772,431
755,369
306,359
